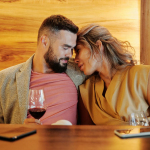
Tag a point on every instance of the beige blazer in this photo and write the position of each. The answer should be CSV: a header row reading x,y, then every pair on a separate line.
x,y
14,89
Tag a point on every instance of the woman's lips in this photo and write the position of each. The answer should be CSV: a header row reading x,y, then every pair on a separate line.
x,y
81,67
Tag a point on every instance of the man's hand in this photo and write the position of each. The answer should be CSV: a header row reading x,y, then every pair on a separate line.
x,y
32,121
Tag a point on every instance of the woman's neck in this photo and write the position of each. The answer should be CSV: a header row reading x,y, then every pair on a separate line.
x,y
106,72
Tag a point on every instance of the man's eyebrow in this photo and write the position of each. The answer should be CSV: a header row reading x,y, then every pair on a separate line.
x,y
66,45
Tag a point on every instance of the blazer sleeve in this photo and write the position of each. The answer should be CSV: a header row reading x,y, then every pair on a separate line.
x,y
1,114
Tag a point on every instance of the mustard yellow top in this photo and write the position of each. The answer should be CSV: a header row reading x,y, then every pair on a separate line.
x,y
126,93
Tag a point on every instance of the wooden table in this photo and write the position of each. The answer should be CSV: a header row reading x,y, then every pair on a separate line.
x,y
74,138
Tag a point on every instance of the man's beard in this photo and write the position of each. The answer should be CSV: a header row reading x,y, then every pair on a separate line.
x,y
53,63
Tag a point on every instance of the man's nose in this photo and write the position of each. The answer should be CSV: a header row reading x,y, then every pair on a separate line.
x,y
69,53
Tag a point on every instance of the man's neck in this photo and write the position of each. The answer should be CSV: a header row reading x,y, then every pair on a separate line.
x,y
39,65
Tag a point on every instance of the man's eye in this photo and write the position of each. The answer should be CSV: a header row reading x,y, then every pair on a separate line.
x,y
65,48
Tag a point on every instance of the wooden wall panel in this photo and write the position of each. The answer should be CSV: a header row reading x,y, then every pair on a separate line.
x,y
20,20
145,32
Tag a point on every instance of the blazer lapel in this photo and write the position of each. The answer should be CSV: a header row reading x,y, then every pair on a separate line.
x,y
23,81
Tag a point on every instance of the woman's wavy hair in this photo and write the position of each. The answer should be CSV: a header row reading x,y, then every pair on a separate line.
x,y
115,51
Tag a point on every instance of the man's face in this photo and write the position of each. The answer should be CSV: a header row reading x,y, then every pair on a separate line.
x,y
60,51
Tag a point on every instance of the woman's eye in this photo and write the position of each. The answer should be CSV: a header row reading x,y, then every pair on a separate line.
x,y
77,50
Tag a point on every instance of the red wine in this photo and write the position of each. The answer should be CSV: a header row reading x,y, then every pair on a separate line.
x,y
37,113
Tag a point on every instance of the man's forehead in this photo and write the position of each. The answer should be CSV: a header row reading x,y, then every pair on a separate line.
x,y
64,32
68,36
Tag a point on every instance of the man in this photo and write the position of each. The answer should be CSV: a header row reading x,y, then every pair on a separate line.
x,y
44,70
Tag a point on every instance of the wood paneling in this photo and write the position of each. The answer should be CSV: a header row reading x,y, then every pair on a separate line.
x,y
145,32
20,20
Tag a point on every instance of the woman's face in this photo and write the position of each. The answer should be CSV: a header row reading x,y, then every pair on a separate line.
x,y
87,63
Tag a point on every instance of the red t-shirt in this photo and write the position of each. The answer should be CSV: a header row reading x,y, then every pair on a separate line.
x,y
60,95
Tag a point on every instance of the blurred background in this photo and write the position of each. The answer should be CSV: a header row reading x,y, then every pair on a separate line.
x,y
21,19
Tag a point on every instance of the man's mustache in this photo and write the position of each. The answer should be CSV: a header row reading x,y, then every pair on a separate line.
x,y
66,58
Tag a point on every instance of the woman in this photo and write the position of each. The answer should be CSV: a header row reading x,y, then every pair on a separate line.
x,y
117,86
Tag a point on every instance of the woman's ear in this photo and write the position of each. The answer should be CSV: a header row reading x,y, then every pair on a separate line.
x,y
99,44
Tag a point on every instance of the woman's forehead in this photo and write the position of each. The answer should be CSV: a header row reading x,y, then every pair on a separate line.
x,y
80,44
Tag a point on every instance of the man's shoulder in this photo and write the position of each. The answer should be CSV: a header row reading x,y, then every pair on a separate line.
x,y
73,67
9,74
11,69
14,69
74,72
71,63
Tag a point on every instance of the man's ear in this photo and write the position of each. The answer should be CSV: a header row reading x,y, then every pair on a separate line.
x,y
44,40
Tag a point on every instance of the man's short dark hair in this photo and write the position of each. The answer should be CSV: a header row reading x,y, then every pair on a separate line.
x,y
56,23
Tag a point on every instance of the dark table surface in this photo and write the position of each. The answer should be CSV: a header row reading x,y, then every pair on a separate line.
x,y
73,138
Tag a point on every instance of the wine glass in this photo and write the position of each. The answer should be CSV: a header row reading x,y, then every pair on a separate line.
x,y
37,106
138,119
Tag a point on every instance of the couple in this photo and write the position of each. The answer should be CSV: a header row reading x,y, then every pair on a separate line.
x,y
115,86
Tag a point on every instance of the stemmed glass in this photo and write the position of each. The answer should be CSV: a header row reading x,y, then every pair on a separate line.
x,y
37,106
138,119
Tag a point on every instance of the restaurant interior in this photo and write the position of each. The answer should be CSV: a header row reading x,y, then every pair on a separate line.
x,y
127,20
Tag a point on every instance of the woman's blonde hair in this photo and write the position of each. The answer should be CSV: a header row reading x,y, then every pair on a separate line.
x,y
115,51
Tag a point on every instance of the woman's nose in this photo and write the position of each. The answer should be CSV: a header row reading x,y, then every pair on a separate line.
x,y
76,59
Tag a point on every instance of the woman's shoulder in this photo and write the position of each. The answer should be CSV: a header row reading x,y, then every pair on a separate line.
x,y
90,80
140,68
137,72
